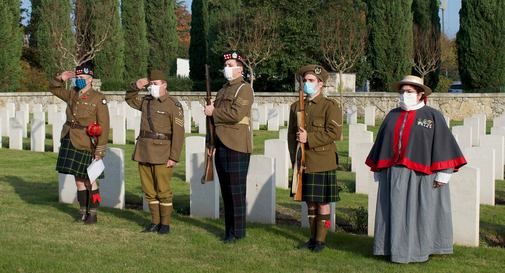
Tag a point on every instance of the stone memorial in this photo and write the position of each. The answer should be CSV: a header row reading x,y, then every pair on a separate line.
x,y
193,145
497,143
278,150
483,158
260,196
204,198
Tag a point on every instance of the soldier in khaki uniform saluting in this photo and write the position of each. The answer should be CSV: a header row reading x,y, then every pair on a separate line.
x,y
231,112
159,145
323,127
85,107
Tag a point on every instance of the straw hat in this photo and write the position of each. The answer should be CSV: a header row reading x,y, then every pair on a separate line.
x,y
412,80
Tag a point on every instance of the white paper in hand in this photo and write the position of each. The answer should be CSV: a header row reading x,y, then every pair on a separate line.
x,y
95,169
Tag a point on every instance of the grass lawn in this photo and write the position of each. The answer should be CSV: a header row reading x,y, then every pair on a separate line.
x,y
37,234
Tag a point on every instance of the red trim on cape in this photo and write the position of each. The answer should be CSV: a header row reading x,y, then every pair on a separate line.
x,y
406,133
437,166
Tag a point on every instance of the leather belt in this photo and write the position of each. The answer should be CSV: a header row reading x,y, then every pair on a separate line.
x,y
74,125
154,135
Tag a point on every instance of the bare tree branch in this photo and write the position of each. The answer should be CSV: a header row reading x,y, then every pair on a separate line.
x,y
426,50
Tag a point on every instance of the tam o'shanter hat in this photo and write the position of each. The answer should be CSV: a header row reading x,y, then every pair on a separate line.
x,y
85,69
157,75
415,81
233,55
314,69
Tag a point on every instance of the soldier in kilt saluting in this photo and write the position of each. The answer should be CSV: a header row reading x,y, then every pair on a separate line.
x,y
86,111
323,121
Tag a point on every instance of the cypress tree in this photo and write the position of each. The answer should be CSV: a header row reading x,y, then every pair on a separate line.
x,y
109,60
11,45
135,32
390,41
481,55
161,34
198,47
426,17
44,14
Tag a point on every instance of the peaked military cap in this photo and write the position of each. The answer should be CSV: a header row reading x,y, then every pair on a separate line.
x,y
315,70
157,75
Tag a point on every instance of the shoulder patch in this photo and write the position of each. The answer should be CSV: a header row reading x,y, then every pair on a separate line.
x,y
175,101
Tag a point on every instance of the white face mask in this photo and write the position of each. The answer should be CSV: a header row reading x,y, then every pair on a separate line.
x,y
408,100
154,90
228,72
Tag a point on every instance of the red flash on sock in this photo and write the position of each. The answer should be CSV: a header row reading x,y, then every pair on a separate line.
x,y
96,198
327,224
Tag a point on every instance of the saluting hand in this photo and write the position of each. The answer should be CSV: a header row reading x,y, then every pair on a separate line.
x,y
141,83
301,135
171,163
66,75
208,110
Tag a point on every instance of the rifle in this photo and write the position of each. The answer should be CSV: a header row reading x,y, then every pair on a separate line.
x,y
210,136
299,167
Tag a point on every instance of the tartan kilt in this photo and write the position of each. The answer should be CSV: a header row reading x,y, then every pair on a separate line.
x,y
320,187
73,161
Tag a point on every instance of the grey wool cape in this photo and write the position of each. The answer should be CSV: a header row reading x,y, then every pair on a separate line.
x,y
413,219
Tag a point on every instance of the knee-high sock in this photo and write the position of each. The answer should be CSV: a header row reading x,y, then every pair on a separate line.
x,y
321,227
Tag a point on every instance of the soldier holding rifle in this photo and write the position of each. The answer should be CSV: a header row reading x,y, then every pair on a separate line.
x,y
323,124
231,112
159,145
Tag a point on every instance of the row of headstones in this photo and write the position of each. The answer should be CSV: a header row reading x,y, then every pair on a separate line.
x,y
14,124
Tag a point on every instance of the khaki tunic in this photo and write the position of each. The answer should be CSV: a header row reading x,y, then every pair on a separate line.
x,y
83,110
232,114
167,117
323,123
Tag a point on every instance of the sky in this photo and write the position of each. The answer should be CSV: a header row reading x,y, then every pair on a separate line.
x,y
451,15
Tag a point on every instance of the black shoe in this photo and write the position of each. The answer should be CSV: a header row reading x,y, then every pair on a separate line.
x,y
164,229
81,217
318,247
152,228
229,239
91,219
310,244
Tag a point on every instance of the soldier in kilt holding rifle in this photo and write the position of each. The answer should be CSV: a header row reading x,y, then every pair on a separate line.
x,y
84,135
323,124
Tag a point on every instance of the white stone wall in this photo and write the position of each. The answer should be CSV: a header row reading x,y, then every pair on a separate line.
x,y
454,106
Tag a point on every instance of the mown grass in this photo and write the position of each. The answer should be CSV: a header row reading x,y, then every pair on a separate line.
x,y
37,234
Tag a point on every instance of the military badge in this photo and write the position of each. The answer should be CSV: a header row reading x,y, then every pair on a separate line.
x,y
104,101
317,70
426,123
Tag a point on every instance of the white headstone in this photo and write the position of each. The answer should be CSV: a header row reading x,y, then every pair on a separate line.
x,y
464,135
499,121
483,158
25,108
500,131
370,115
59,120
263,114
255,118
118,125
465,193
11,109
260,196
15,135
202,124
353,130
67,191
476,128
278,150
5,121
131,115
112,187
23,122
363,174
187,120
196,110
193,145
273,119
38,134
482,122
497,143
37,107
283,134
52,109
352,114
359,137
204,198
305,220
373,187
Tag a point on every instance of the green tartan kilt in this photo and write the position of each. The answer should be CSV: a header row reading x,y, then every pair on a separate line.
x,y
73,161
320,187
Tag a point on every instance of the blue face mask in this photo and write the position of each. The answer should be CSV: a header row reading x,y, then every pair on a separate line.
x,y
80,83
309,88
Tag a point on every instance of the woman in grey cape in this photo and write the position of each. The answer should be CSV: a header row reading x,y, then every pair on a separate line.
x,y
413,158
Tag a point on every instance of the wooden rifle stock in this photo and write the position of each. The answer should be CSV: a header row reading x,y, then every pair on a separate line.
x,y
300,153
210,135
